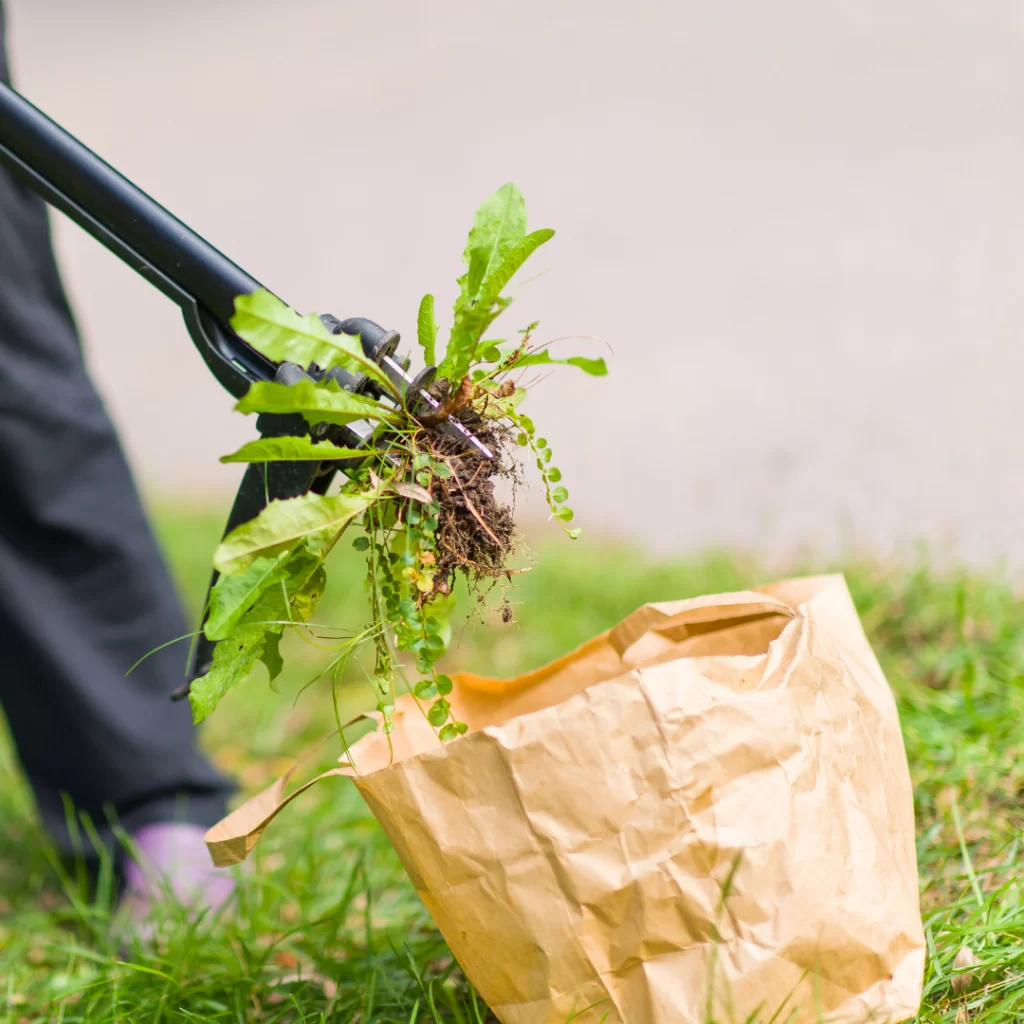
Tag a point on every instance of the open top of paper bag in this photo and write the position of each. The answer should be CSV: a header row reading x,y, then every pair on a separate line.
x,y
741,624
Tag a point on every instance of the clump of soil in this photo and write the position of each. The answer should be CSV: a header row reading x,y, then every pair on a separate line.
x,y
476,531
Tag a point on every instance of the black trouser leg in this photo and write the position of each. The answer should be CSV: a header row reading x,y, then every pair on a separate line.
x,y
83,590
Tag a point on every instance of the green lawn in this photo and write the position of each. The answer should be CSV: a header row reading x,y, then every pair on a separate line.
x,y
326,926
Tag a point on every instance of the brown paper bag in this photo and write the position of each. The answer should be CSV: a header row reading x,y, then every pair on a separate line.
x,y
706,809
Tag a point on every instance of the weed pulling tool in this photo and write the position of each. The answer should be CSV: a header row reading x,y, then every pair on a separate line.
x,y
205,284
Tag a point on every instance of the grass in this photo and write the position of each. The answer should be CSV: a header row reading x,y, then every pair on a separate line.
x,y
326,926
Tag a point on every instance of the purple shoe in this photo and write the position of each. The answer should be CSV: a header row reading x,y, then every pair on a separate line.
x,y
173,863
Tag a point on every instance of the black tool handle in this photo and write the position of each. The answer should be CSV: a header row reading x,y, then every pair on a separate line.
x,y
104,202
133,226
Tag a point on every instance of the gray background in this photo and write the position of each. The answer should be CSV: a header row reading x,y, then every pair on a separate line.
x,y
798,224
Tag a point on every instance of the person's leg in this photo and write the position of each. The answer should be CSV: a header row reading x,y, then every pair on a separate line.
x,y
83,590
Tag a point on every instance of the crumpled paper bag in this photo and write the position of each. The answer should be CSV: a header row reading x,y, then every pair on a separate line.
x,y
705,810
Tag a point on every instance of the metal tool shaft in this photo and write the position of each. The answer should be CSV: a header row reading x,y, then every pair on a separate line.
x,y
427,397
120,215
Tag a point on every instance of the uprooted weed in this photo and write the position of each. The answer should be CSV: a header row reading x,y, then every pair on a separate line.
x,y
476,532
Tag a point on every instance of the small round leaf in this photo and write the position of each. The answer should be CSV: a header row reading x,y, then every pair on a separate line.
x,y
438,713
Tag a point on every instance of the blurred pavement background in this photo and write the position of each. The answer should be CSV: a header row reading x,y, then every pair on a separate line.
x,y
799,225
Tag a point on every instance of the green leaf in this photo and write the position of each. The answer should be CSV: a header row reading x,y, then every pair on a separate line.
x,y
426,328
565,514
233,596
437,714
495,283
444,684
316,403
559,494
233,660
282,523
271,656
449,732
499,224
574,534
553,474
361,544
293,449
275,329
595,367
425,689
472,320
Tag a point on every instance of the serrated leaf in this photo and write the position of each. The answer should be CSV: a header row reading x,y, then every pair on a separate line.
x,y
316,403
283,523
271,656
498,227
500,222
233,660
277,604
595,367
426,328
466,332
517,255
472,320
293,449
281,334
233,596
